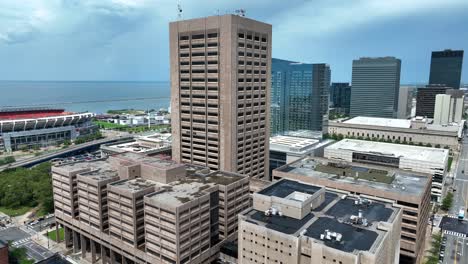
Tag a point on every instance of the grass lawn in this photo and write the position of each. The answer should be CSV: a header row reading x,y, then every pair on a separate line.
x,y
61,234
15,212
108,125
449,163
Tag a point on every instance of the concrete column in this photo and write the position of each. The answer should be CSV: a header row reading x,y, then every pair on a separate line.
x,y
103,255
68,238
93,251
112,256
83,246
57,235
124,260
76,246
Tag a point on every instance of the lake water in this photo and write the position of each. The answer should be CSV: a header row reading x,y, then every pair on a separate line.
x,y
97,97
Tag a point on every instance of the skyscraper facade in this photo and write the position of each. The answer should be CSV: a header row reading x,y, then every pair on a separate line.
x,y
220,93
300,95
426,97
446,68
405,101
376,83
340,97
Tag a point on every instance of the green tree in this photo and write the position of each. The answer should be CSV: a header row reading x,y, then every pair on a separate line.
x,y
433,257
429,145
437,146
397,141
447,201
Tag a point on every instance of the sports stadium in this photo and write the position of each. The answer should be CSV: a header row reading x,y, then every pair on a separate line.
x,y
41,126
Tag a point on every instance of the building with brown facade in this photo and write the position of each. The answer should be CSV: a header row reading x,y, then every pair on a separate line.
x,y
220,85
131,208
293,222
410,190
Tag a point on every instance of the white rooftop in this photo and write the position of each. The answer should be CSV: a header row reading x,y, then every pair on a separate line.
x,y
378,121
426,154
292,144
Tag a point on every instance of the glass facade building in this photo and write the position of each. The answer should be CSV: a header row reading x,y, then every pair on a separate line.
x,y
446,68
299,96
340,97
376,84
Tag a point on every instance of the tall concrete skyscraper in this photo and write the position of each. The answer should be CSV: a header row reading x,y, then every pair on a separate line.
x,y
446,68
299,95
376,83
220,85
340,97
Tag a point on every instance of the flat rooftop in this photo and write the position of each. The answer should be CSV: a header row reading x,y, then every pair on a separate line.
x,y
135,185
292,144
285,187
101,174
137,147
153,161
380,178
193,186
335,214
378,121
81,165
436,155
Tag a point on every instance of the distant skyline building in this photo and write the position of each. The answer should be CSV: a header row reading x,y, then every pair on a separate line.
x,y
340,97
405,101
299,95
220,93
449,107
375,86
425,99
446,68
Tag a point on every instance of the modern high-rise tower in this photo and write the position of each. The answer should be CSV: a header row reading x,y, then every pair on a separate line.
x,y
376,83
220,85
446,68
299,95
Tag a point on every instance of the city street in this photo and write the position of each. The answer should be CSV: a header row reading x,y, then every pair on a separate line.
x,y
456,251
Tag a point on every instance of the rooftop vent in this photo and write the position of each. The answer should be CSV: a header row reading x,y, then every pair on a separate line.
x,y
273,211
331,236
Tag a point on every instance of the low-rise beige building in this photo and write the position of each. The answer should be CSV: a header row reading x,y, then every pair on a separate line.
x,y
294,222
131,208
410,190
417,131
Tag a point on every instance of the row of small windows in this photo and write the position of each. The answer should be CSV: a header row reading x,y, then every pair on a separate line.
x,y
249,96
250,79
249,46
249,88
200,71
249,36
200,54
199,79
199,36
250,71
198,62
255,63
200,88
249,54
199,45
250,105
199,96
250,113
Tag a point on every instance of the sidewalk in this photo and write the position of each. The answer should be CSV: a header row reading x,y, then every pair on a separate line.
x,y
41,239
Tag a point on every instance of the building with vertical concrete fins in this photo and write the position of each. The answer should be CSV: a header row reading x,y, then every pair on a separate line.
x,y
220,85
376,83
131,208
446,68
300,92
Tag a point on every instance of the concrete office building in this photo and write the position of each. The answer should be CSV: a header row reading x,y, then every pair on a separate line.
x,y
340,97
412,191
417,131
425,101
449,107
131,208
405,101
301,92
226,130
286,149
375,83
431,161
446,68
294,222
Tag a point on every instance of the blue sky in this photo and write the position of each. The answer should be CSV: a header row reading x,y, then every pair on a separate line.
x,y
128,39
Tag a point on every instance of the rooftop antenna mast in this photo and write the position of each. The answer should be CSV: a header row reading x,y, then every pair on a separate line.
x,y
179,10
240,12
